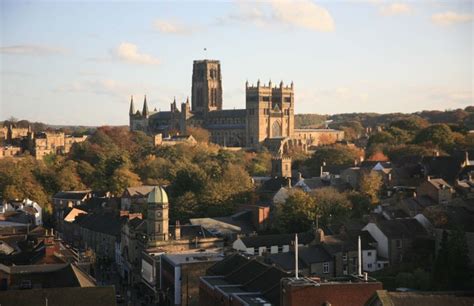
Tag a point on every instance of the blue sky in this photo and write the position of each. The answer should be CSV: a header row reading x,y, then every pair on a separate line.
x,y
71,62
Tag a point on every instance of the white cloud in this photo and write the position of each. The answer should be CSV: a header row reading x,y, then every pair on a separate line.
x,y
38,50
129,52
106,87
299,14
450,18
172,27
396,9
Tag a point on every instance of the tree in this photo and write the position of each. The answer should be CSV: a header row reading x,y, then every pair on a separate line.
x,y
123,178
360,204
297,213
370,185
438,134
332,155
331,205
200,134
381,137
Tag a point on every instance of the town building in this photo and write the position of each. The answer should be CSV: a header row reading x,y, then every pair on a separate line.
x,y
268,114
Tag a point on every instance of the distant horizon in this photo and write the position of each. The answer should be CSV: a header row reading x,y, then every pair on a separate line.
x,y
127,124
65,62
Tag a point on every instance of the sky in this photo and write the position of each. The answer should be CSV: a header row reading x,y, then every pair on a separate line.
x,y
78,63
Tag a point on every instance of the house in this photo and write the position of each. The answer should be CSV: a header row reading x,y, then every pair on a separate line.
x,y
351,290
271,244
158,140
99,232
70,199
180,274
312,261
26,211
431,298
134,198
343,249
436,189
238,280
397,239
71,296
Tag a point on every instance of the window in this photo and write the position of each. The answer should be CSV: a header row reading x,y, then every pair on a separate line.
x,y
369,254
369,266
398,243
344,270
344,256
325,267
266,98
280,249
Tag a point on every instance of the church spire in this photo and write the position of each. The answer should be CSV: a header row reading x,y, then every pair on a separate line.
x,y
145,111
132,107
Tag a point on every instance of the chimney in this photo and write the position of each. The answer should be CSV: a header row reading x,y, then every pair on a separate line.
x,y
428,178
296,256
466,155
359,256
436,153
177,231
366,276
288,182
300,176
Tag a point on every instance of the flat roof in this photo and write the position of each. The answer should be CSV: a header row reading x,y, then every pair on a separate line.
x,y
180,258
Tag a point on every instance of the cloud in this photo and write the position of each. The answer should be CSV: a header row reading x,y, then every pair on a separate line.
x,y
106,87
395,9
38,50
172,27
450,18
299,14
129,52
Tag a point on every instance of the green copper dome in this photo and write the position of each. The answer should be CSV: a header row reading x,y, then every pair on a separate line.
x,y
157,195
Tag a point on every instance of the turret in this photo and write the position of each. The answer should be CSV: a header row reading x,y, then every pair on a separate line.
x,y
145,111
132,107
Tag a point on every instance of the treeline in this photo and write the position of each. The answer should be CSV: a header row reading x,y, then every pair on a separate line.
x,y
202,180
41,127
458,116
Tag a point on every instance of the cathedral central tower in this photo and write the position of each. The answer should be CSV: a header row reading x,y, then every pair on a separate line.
x,y
207,86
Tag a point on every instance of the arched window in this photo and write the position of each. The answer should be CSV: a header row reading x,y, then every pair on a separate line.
x,y
276,129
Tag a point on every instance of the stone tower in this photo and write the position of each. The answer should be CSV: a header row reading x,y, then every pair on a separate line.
x,y
270,112
157,216
281,167
207,86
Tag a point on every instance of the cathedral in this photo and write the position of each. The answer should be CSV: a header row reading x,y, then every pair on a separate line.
x,y
268,116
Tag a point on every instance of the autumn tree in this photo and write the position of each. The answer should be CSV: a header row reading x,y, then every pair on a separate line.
x,y
370,185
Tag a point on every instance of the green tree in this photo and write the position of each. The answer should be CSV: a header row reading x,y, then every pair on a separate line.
x,y
437,134
121,179
297,213
332,155
331,205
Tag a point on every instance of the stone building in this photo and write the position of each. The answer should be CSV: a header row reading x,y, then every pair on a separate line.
x,y
268,114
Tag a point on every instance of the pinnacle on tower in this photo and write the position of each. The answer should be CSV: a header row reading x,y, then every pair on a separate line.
x,y
132,107
145,111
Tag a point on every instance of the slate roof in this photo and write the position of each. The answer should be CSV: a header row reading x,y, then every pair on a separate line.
x,y
72,195
227,265
386,298
161,115
278,239
306,256
401,228
102,223
267,280
227,113
439,183
77,296
246,272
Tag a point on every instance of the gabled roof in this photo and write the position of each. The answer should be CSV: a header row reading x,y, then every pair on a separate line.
x,y
72,195
140,191
71,216
439,183
246,272
227,265
446,167
401,228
